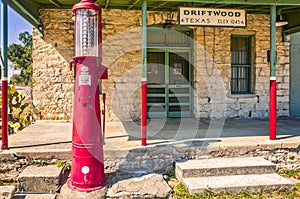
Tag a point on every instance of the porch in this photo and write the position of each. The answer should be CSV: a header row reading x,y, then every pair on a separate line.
x,y
168,141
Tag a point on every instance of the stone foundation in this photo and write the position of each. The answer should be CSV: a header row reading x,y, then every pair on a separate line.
x,y
163,158
148,160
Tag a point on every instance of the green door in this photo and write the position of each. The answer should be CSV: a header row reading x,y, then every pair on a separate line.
x,y
169,90
295,74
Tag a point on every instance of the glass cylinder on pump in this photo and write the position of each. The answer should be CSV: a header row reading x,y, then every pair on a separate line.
x,y
87,32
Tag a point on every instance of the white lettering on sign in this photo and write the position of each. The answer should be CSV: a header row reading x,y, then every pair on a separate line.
x,y
84,78
212,17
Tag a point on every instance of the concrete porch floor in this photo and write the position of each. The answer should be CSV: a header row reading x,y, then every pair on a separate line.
x,y
55,136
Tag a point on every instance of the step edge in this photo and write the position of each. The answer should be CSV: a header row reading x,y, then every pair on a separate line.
x,y
284,181
252,170
230,159
257,188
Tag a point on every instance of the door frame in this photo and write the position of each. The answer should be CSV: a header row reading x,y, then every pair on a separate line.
x,y
167,113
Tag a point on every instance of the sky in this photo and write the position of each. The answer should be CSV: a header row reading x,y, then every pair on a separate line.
x,y
16,25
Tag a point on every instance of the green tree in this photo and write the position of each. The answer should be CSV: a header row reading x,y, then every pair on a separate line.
x,y
20,56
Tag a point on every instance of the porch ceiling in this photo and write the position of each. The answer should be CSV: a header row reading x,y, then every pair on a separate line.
x,y
291,8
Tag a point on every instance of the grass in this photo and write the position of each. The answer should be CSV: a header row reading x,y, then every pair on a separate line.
x,y
65,165
181,192
171,174
5,182
295,173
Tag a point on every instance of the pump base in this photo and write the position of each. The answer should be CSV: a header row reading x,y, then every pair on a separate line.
x,y
83,189
66,193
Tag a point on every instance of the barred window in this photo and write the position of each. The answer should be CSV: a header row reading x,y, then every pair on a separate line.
x,y
241,59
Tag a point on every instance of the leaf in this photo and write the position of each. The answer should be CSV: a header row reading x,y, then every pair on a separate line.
x,y
20,56
15,126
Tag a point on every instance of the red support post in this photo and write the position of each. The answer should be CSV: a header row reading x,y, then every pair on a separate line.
x,y
144,113
272,109
273,59
4,115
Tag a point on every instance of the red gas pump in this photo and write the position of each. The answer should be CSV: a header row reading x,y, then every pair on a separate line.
x,y
87,170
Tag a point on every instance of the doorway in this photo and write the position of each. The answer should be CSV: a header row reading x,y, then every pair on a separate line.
x,y
169,88
169,71
294,76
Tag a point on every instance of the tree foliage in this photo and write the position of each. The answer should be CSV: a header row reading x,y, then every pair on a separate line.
x,y
20,55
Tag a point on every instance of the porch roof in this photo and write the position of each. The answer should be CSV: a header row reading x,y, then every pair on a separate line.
x,y
290,8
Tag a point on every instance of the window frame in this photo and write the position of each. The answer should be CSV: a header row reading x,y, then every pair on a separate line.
x,y
249,65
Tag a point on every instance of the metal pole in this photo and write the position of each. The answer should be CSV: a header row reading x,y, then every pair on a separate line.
x,y
144,74
4,75
273,73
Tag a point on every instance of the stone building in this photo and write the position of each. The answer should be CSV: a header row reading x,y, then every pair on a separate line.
x,y
206,55
192,71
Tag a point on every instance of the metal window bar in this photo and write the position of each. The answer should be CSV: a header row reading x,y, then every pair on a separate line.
x,y
240,64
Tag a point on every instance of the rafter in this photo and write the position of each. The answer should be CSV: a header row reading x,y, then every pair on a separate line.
x,y
106,4
245,2
31,15
133,3
56,3
159,5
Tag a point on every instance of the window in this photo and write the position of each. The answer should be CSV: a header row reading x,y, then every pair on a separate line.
x,y
241,59
165,37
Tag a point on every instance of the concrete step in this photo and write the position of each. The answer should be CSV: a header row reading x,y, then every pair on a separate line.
x,y
39,179
237,183
223,166
34,196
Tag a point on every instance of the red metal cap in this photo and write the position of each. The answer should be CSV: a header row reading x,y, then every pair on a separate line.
x,y
86,4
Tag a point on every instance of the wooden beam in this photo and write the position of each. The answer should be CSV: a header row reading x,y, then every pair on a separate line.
x,y
133,3
159,5
56,3
244,2
31,15
290,9
106,4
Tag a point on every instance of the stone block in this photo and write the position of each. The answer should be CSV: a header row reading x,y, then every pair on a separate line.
x,y
7,192
224,167
233,175
148,186
43,179
6,155
237,183
67,193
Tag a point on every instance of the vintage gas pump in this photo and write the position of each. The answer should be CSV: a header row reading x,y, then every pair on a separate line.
x,y
87,172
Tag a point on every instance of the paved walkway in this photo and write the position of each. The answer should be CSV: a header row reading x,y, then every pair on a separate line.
x,y
55,136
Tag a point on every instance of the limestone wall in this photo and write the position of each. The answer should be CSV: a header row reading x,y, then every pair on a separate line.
x,y
212,72
53,89
53,81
